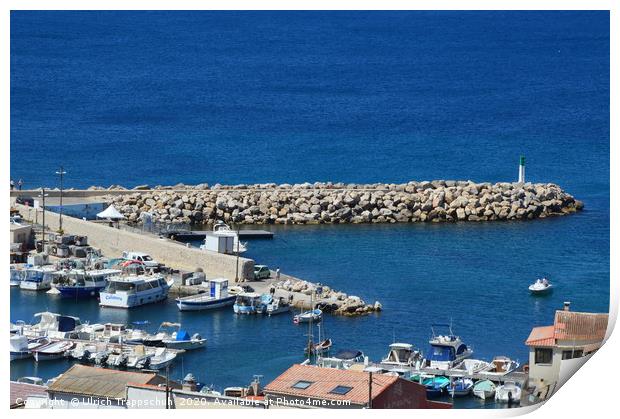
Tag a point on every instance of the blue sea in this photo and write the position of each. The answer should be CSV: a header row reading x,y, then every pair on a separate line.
x,y
245,97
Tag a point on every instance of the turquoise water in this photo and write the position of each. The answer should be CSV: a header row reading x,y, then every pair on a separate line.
x,y
160,98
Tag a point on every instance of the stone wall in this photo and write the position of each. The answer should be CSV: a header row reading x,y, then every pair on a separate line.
x,y
113,242
436,201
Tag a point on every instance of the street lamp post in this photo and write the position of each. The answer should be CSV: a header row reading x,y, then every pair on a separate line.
x,y
61,173
42,195
237,265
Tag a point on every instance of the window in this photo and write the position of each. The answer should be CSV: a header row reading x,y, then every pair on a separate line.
x,y
572,354
341,390
543,356
302,385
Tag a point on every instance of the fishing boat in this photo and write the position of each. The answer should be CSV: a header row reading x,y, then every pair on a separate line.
x,y
447,350
278,306
509,392
22,347
51,351
81,283
435,385
246,303
540,287
37,278
403,354
180,339
460,387
484,389
134,290
217,296
308,316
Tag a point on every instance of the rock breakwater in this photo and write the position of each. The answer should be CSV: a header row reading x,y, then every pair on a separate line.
x,y
428,201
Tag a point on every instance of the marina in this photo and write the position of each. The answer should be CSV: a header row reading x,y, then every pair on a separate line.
x,y
397,209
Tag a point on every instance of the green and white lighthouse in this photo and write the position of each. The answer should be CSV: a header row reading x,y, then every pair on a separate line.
x,y
522,169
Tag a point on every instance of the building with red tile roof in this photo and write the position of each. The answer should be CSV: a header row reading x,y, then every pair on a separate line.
x,y
21,391
312,386
557,351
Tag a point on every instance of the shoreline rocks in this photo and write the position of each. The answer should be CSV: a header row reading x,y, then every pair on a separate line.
x,y
333,203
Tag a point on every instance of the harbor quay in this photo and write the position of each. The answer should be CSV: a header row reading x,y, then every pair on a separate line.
x,y
331,203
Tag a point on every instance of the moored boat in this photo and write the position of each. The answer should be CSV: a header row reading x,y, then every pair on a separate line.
x,y
309,316
278,306
216,297
435,385
246,303
460,387
134,290
403,354
447,350
80,283
51,351
509,392
37,278
484,389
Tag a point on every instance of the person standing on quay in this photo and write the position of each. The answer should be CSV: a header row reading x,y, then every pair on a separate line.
x,y
19,184
12,184
277,274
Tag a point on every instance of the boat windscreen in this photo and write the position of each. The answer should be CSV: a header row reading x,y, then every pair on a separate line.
x,y
441,353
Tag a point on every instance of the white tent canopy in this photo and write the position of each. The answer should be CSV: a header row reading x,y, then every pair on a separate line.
x,y
111,213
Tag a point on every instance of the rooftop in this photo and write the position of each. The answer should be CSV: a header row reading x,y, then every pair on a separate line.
x,y
21,391
328,383
570,326
99,382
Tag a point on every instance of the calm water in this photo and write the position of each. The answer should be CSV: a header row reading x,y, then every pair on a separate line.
x,y
162,98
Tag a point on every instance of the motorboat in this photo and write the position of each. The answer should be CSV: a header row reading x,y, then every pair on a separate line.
x,y
134,290
403,354
22,347
503,365
277,306
217,297
309,316
484,389
246,303
51,351
509,392
447,350
460,387
81,283
180,339
265,300
350,355
541,286
473,366
320,348
54,325
37,278
160,359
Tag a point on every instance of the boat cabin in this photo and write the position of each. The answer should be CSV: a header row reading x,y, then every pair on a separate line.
x,y
400,353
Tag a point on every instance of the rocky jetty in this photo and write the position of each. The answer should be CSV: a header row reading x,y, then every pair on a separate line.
x,y
434,201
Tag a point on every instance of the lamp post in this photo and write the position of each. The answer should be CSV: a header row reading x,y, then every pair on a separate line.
x,y
42,195
61,173
237,267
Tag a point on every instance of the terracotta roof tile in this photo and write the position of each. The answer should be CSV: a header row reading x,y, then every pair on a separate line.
x,y
21,391
324,380
570,325
541,336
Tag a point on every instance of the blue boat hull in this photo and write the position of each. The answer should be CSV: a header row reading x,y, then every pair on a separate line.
x,y
79,292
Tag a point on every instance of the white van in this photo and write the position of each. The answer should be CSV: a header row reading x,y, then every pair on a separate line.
x,y
141,257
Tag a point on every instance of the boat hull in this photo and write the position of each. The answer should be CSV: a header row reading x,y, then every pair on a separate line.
x,y
484,394
189,305
79,292
244,309
186,345
15,355
133,300
34,285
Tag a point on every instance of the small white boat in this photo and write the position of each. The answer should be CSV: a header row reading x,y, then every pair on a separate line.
x,y
502,365
484,389
402,355
541,286
180,339
37,278
473,366
51,351
313,315
277,306
160,359
509,392
22,347
17,275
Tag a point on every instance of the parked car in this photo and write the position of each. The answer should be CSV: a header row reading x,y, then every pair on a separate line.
x,y
261,272
145,258
25,200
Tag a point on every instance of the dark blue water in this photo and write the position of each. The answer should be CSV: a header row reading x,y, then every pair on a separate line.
x,y
165,97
